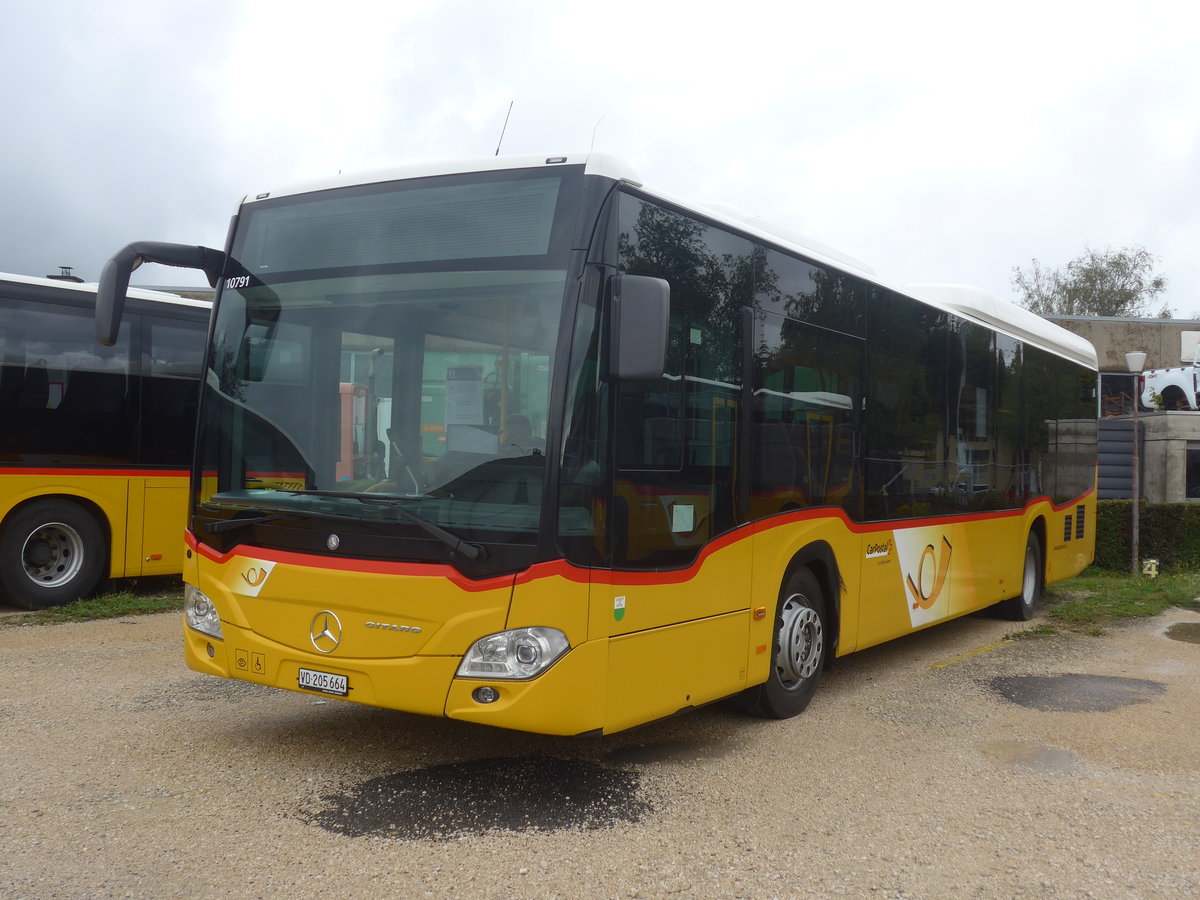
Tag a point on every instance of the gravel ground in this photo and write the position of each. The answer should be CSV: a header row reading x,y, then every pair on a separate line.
x,y
947,764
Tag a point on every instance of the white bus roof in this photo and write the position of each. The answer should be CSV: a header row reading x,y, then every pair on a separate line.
x,y
595,163
1008,318
90,288
967,302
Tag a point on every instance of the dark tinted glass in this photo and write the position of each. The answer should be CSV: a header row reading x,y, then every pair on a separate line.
x,y
808,293
1039,433
1075,431
170,387
65,399
975,481
676,437
1010,470
806,392
509,215
907,433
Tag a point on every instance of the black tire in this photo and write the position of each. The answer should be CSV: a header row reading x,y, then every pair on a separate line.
x,y
51,552
1022,607
798,653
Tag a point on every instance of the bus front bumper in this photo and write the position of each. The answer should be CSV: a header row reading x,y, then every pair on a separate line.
x,y
566,699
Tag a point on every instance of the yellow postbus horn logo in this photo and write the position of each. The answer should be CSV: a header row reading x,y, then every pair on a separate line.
x,y
255,577
921,599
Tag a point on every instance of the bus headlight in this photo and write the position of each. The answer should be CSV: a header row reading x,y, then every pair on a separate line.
x,y
200,612
521,653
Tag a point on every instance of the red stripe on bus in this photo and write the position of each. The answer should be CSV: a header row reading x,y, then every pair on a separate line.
x,y
561,568
112,473
367,566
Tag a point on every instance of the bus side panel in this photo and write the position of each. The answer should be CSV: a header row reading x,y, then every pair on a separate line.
x,y
1070,539
719,582
656,673
108,493
775,546
919,575
935,570
164,517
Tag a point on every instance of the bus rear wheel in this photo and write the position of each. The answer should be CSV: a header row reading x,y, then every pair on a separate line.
x,y
51,552
798,654
1022,607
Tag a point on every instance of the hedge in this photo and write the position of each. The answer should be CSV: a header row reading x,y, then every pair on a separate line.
x,y
1168,532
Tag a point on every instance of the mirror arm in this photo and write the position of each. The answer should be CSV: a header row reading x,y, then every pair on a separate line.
x,y
114,280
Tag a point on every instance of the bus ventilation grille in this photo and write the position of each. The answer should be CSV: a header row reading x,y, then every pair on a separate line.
x,y
1079,520
1066,528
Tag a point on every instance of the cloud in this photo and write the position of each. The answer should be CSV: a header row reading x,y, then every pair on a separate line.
x,y
937,141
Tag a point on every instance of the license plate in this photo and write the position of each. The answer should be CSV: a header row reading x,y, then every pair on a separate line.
x,y
325,682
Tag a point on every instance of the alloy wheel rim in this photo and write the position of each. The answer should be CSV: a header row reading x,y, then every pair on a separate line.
x,y
52,555
801,642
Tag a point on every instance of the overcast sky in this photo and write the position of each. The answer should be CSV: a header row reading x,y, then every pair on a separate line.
x,y
937,142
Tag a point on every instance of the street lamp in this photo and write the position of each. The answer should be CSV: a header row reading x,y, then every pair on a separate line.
x,y
1136,361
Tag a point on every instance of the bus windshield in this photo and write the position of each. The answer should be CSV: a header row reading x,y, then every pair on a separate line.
x,y
407,365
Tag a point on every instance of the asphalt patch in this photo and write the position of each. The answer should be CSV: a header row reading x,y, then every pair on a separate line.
x,y
1076,693
514,794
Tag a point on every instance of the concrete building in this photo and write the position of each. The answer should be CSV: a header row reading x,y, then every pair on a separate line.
x,y
1167,342
1170,448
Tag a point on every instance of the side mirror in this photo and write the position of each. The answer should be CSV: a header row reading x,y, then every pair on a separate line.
x,y
114,280
640,308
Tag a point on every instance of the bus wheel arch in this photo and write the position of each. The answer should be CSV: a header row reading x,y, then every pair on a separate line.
x,y
53,550
804,636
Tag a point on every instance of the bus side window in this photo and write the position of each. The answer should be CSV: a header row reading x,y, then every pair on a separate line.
x,y
676,436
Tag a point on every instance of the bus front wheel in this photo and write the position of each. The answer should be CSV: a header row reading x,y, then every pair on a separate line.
x,y
51,552
798,653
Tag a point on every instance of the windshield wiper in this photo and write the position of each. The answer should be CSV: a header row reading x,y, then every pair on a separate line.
x,y
247,521
260,516
470,550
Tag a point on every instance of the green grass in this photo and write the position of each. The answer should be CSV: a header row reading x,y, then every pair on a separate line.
x,y
133,600
1035,632
1095,599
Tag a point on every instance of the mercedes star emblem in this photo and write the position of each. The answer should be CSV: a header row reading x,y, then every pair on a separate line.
x,y
325,631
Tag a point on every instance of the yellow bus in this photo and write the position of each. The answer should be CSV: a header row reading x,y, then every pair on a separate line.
x,y
635,455
96,442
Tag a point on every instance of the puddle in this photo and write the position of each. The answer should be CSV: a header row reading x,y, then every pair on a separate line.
x,y
667,751
457,800
1032,756
1076,693
1188,632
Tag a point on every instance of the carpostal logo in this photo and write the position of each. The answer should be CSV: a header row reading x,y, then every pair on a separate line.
x,y
878,550
926,556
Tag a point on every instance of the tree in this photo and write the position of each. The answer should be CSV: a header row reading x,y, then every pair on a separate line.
x,y
1095,283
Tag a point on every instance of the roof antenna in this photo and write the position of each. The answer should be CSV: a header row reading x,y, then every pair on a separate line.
x,y
594,130
505,128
